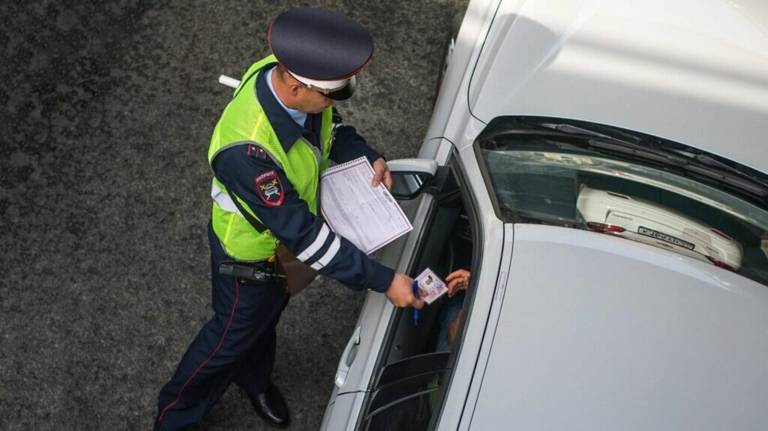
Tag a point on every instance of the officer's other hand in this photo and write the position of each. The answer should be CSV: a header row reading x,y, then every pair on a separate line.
x,y
381,174
400,292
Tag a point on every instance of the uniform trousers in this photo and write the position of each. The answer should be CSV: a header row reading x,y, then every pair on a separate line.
x,y
236,345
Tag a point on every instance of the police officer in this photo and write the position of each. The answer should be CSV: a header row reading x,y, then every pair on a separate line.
x,y
271,143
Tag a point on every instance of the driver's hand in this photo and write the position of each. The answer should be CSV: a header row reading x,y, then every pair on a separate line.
x,y
457,280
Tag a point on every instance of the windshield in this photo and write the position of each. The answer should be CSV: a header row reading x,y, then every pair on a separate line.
x,y
561,179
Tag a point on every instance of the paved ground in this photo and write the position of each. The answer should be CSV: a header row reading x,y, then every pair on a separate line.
x,y
106,114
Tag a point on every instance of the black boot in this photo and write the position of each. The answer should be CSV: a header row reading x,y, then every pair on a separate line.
x,y
270,405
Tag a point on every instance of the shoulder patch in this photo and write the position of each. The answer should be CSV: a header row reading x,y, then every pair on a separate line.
x,y
270,189
256,151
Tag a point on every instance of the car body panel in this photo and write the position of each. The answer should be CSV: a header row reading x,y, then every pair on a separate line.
x,y
377,310
597,332
342,412
690,71
451,112
466,381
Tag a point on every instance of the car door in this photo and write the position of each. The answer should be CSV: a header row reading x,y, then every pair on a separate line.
x,y
411,179
417,182
392,372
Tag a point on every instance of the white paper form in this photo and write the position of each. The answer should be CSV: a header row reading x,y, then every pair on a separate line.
x,y
369,217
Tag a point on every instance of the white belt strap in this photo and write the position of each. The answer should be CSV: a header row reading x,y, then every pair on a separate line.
x,y
223,198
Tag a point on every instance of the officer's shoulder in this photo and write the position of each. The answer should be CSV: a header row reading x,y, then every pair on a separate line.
x,y
245,151
250,154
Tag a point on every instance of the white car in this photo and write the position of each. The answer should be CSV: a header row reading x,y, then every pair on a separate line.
x,y
652,223
567,326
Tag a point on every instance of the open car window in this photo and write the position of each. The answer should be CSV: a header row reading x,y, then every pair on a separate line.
x,y
416,361
629,185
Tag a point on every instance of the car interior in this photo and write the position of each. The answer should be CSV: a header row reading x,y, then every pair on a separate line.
x,y
405,392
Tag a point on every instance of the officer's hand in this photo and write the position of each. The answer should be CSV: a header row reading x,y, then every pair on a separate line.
x,y
381,174
400,292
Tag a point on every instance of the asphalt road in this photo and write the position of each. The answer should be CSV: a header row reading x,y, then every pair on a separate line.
x,y
107,110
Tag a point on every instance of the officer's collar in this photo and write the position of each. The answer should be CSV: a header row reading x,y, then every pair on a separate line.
x,y
286,129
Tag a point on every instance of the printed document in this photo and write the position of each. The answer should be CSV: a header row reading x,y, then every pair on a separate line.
x,y
369,217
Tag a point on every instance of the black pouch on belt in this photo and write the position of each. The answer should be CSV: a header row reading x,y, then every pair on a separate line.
x,y
250,271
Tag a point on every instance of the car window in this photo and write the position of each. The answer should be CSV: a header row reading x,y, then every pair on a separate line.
x,y
410,410
406,393
629,185
415,364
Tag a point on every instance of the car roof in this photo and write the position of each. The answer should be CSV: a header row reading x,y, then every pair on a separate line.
x,y
691,71
596,332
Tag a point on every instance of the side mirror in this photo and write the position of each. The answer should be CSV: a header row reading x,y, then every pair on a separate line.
x,y
410,176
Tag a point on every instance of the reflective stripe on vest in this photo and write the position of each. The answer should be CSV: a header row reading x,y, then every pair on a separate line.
x,y
222,198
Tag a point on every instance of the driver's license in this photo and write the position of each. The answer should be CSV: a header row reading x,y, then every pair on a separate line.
x,y
431,286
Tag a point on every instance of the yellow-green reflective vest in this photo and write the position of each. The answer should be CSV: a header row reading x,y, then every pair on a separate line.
x,y
244,122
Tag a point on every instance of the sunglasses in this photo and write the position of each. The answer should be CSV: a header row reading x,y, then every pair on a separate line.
x,y
342,93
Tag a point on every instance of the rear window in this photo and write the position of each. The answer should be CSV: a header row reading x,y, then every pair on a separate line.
x,y
632,186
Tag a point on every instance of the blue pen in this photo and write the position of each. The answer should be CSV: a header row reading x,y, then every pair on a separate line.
x,y
415,287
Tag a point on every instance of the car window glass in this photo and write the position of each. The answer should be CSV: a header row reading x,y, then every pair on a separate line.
x,y
385,395
409,412
632,186
412,366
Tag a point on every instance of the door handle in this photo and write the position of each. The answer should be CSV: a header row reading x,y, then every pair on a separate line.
x,y
347,358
